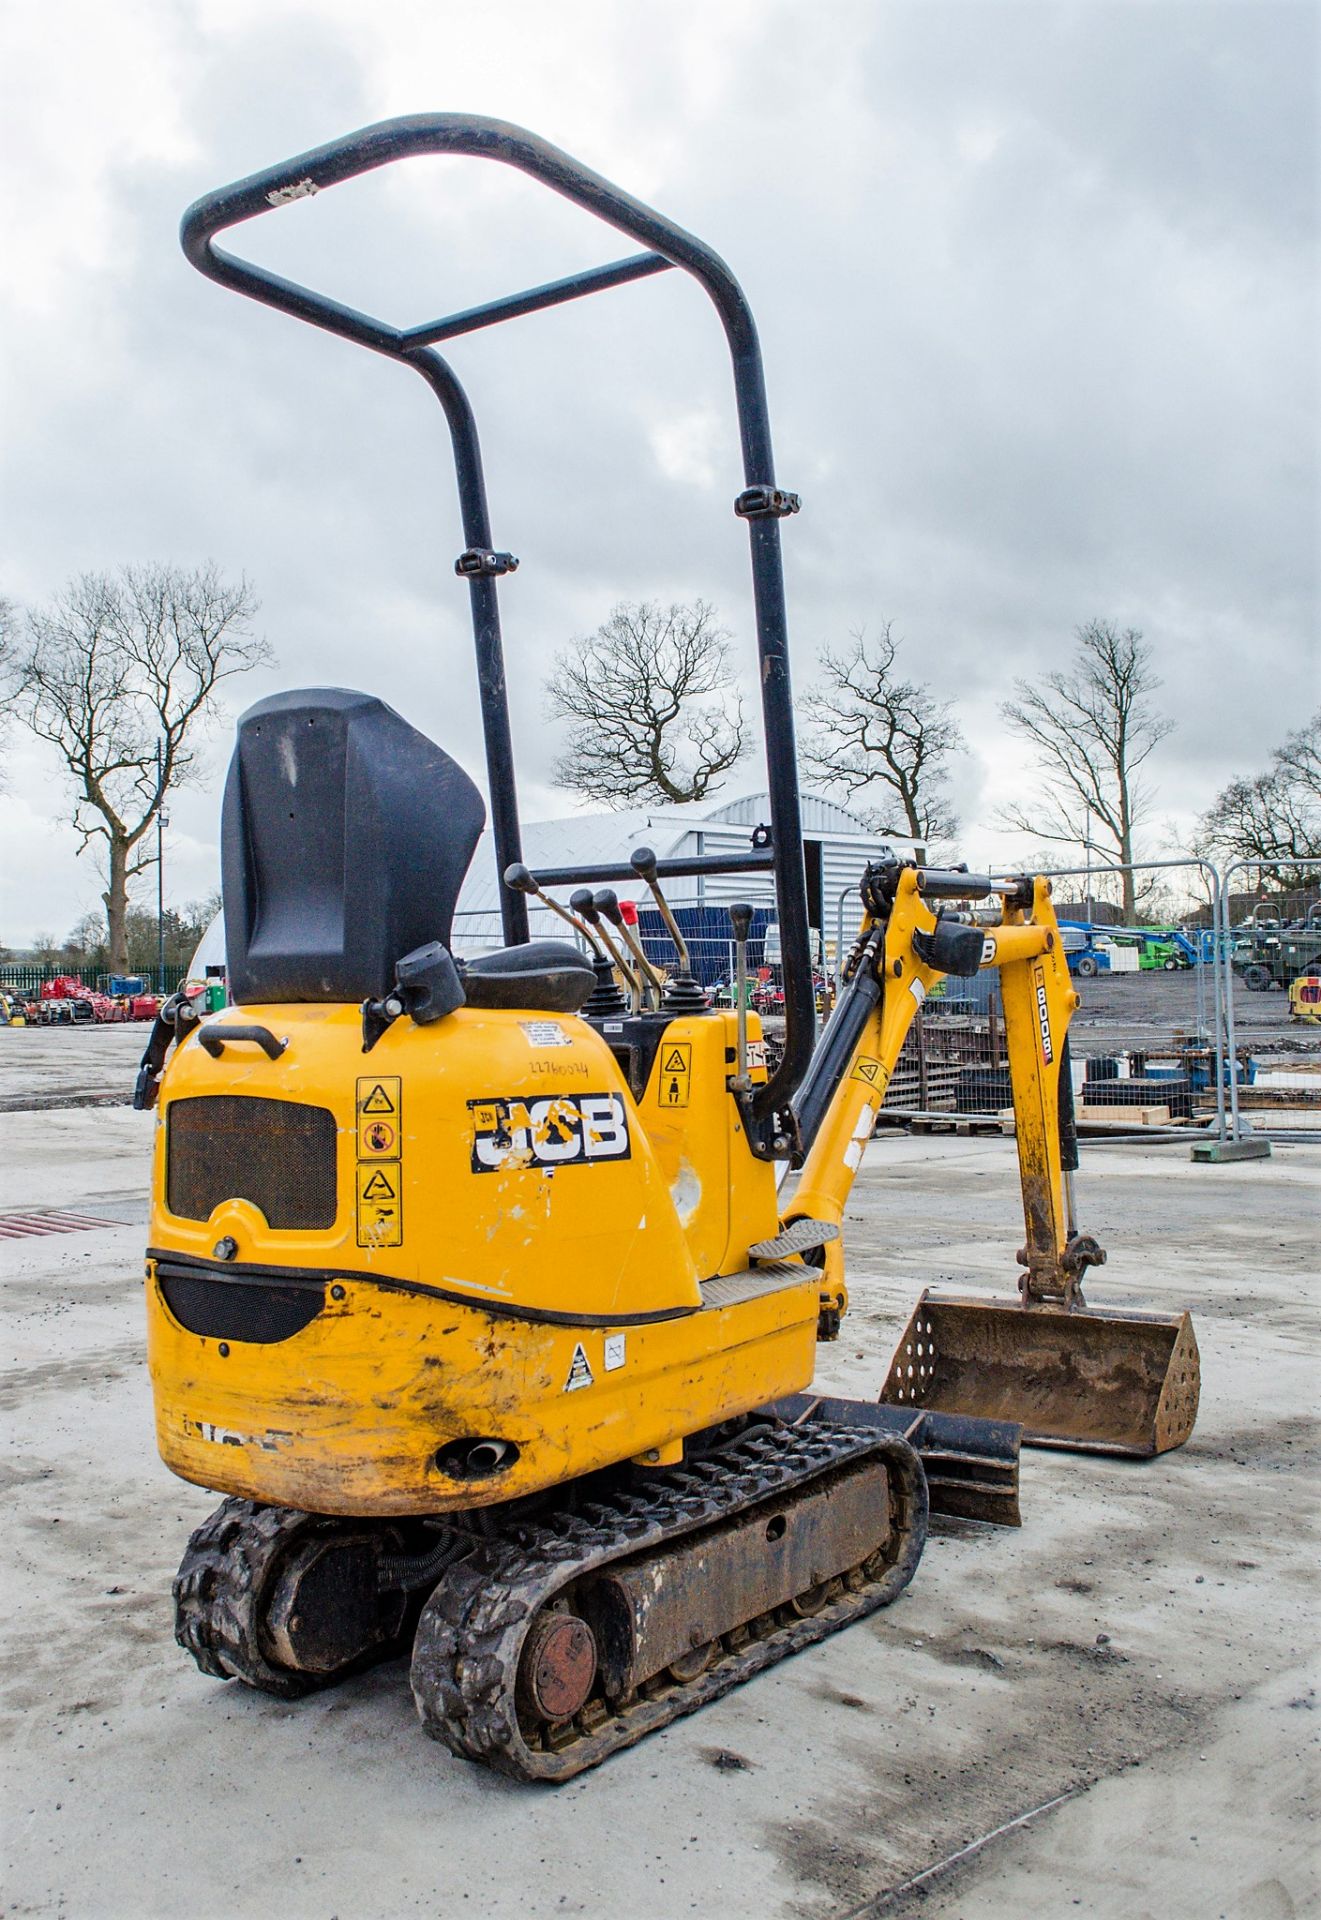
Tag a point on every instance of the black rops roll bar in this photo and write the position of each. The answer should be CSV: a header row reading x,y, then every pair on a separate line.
x,y
761,503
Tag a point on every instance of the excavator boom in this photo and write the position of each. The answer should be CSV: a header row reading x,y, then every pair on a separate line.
x,y
1071,1375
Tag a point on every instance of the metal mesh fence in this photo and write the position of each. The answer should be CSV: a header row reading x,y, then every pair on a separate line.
x,y
1146,1043
1200,1011
27,978
1272,971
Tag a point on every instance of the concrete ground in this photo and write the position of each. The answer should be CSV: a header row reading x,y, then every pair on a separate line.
x,y
45,1067
1138,1661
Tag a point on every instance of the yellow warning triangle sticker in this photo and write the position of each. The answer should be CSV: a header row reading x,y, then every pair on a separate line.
x,y
378,1188
868,1069
378,1101
677,1062
580,1373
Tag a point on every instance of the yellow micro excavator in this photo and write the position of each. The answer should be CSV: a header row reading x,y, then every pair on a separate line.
x,y
469,1284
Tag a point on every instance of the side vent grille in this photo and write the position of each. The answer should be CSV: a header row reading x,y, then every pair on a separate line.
x,y
277,1154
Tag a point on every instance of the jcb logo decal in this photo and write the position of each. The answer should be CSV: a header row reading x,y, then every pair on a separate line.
x,y
1043,1013
562,1131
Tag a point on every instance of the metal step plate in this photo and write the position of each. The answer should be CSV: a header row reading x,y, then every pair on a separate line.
x,y
731,1289
798,1237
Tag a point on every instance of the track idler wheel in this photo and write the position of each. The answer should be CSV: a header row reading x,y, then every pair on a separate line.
x,y
287,1602
558,1669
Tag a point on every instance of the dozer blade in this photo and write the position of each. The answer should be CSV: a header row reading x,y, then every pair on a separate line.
x,y
1090,1377
971,1465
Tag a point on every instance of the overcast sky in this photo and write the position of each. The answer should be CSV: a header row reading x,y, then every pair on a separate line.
x,y
1037,287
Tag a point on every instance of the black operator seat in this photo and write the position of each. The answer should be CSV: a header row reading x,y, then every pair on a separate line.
x,y
545,976
345,838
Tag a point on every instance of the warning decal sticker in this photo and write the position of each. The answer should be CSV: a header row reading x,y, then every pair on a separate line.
x,y
380,1204
545,1033
676,1073
563,1130
379,1099
269,1442
580,1373
377,1137
380,1182
871,1071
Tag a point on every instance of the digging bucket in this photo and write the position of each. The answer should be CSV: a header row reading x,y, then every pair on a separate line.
x,y
1090,1378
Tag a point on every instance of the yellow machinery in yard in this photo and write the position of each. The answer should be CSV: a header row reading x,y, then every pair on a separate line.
x,y
471,1285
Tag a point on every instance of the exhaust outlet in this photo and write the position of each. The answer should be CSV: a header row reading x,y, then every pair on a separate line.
x,y
476,1459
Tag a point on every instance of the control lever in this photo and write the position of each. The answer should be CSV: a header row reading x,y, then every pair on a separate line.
x,y
584,903
643,862
682,994
606,902
521,879
740,920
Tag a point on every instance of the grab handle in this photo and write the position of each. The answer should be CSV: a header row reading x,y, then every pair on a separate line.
x,y
214,1040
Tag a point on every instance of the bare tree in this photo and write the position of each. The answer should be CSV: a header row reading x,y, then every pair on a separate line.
x,y
86,944
650,699
1092,728
8,630
1273,816
871,733
1298,762
117,675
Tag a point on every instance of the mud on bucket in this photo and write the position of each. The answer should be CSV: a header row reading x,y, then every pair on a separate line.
x,y
1091,1378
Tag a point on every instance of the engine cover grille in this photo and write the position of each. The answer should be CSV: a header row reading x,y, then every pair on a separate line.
x,y
277,1154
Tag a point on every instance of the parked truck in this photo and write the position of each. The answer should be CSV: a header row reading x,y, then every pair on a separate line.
x,y
1273,954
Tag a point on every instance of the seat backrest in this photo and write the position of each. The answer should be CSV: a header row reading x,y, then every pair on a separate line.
x,y
345,838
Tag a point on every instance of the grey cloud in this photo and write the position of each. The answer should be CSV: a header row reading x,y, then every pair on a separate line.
x,y
1037,289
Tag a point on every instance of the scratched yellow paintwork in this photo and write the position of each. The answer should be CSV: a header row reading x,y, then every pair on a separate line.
x,y
1039,1001
347,1415
725,1197
596,1239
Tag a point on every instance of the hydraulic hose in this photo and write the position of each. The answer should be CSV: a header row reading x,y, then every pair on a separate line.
x,y
839,1042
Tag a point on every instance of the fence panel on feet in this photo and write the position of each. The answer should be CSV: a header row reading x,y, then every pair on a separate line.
x,y
1271,973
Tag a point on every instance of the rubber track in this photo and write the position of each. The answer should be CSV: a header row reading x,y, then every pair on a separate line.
x,y
471,1633
218,1589
223,1585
